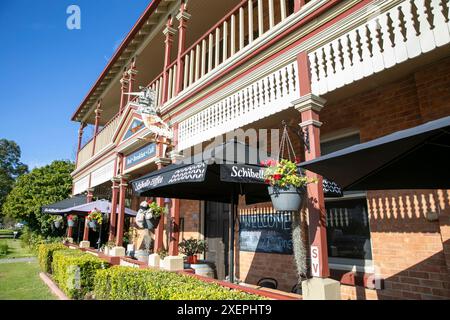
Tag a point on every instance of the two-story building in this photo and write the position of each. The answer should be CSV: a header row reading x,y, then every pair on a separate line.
x,y
346,71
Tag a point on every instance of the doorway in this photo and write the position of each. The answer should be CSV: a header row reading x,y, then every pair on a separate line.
x,y
217,235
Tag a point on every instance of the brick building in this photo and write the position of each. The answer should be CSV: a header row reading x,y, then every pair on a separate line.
x,y
347,71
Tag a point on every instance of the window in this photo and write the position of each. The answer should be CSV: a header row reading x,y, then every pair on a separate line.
x,y
348,230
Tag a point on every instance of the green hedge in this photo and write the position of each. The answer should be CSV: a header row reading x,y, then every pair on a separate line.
x,y
45,255
74,272
127,283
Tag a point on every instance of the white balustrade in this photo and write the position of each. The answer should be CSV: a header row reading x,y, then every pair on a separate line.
x,y
407,30
267,96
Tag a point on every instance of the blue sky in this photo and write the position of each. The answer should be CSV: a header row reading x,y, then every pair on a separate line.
x,y
47,69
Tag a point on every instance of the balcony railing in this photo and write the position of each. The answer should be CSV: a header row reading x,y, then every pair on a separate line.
x,y
234,33
102,140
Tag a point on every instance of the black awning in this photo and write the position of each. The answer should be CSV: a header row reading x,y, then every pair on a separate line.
x,y
416,158
57,207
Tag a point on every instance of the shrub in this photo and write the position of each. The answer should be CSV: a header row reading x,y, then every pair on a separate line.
x,y
74,272
127,283
45,255
4,249
32,240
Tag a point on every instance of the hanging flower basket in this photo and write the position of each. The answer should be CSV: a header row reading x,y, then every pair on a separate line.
x,y
94,218
286,184
286,199
152,214
58,222
71,220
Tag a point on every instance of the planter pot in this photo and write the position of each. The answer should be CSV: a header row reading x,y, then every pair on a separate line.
x,y
286,199
71,223
92,224
152,223
192,259
57,224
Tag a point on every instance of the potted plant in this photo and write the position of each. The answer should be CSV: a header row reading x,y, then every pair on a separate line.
x,y
191,248
71,219
153,215
95,218
57,221
286,184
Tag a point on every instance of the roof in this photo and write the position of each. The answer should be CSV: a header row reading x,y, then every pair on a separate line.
x,y
151,8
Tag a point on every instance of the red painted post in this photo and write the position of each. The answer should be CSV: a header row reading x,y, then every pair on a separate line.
x,y
69,232
298,4
175,209
113,218
169,32
183,17
175,227
90,195
309,107
123,90
121,215
80,139
132,72
98,113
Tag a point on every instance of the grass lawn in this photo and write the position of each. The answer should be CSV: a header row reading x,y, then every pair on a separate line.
x,y
15,249
20,281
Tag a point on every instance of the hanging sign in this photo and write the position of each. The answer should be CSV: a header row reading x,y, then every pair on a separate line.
x,y
268,233
140,156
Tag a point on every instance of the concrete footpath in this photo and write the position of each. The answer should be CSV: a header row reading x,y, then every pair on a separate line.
x,y
18,260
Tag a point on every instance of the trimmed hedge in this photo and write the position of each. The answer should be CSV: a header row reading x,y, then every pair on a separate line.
x,y
74,272
45,255
127,283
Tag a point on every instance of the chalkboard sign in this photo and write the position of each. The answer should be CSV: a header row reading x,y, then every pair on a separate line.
x,y
268,233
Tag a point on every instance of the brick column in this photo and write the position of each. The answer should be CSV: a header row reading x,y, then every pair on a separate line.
x,y
90,196
121,215
123,90
183,17
169,32
309,107
113,217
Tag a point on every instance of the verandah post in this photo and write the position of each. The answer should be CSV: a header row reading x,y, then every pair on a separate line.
x,y
123,90
113,215
98,112
309,106
183,17
169,32
85,243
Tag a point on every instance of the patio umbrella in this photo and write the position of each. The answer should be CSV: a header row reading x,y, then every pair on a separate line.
x,y
103,206
56,208
416,158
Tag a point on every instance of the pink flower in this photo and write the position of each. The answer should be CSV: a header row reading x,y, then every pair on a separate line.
x,y
277,177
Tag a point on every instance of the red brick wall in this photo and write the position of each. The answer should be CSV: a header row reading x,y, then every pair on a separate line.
x,y
411,253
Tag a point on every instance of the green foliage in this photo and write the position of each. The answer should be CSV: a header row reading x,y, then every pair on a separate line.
x,y
75,271
126,283
4,249
284,174
96,216
45,255
157,211
42,186
10,167
32,239
192,246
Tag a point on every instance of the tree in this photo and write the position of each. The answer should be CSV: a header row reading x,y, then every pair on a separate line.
x,y
10,167
42,186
